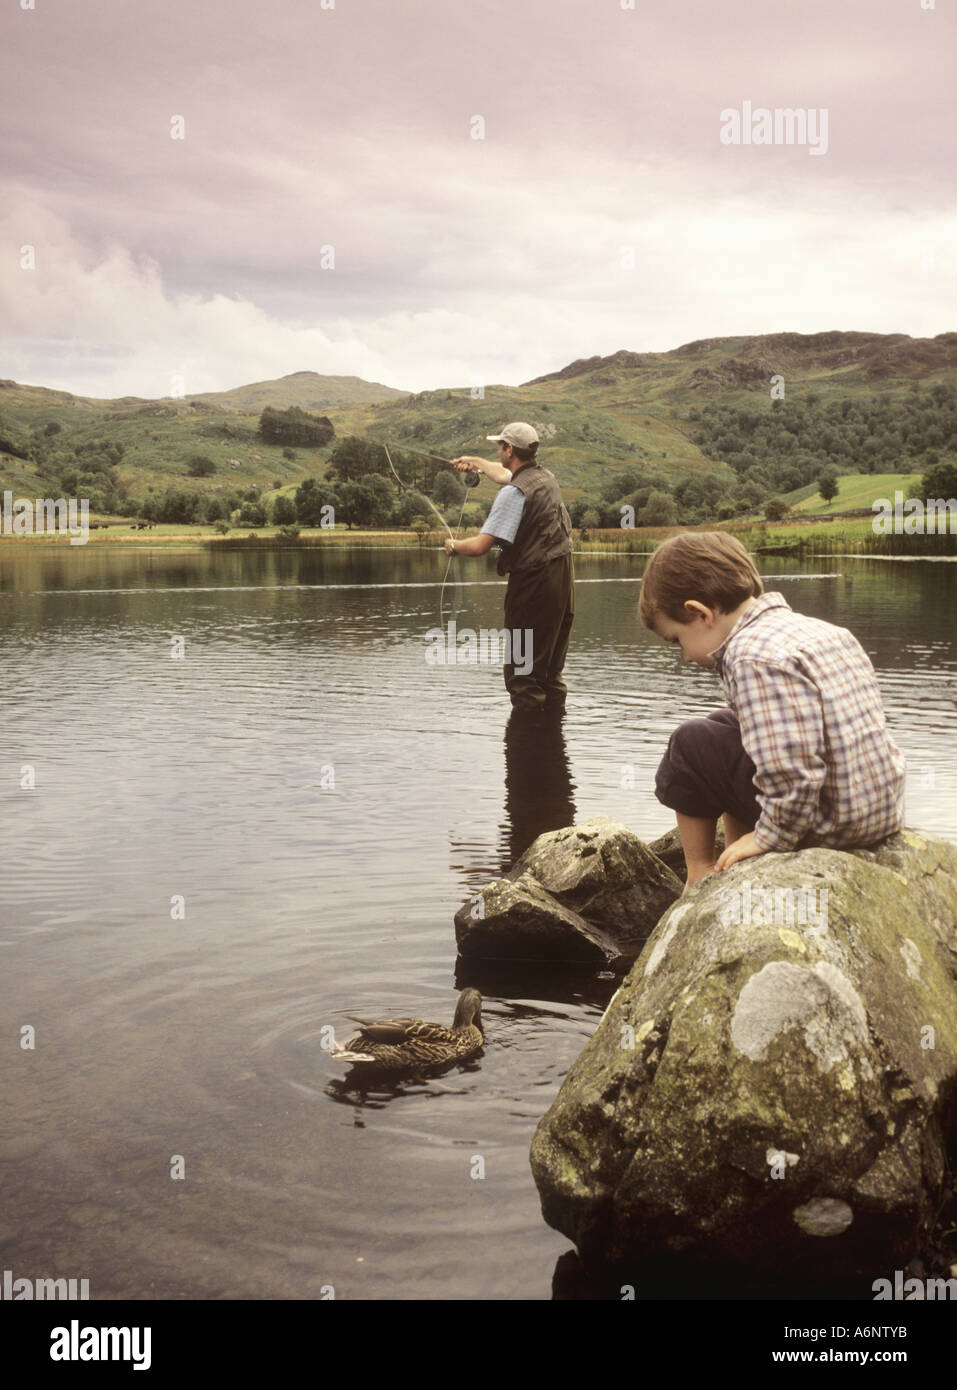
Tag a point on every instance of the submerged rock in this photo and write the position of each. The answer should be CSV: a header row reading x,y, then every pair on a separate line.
x,y
517,920
590,892
774,1083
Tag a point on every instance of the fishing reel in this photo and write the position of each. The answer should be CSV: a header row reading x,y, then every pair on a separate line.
x,y
472,478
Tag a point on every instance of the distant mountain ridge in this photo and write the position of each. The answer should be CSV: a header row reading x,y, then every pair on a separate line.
x,y
308,390
875,355
732,362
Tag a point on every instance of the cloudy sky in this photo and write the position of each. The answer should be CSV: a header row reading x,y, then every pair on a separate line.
x,y
330,207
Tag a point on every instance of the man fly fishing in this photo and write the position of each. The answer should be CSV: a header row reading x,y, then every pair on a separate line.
x,y
531,525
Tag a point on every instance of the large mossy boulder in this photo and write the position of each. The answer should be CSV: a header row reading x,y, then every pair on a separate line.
x,y
589,892
775,1082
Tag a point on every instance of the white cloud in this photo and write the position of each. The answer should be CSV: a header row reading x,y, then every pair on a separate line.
x,y
106,323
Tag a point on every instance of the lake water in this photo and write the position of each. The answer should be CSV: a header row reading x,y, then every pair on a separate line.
x,y
321,801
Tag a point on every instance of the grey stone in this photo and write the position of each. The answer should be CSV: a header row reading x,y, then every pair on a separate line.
x,y
591,892
601,870
517,920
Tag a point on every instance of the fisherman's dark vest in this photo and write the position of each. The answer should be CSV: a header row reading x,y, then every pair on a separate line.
x,y
545,530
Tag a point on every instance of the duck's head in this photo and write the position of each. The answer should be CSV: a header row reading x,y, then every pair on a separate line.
x,y
469,1010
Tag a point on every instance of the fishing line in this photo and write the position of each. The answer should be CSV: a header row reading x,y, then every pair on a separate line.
x,y
458,526
428,499
471,480
471,477
422,453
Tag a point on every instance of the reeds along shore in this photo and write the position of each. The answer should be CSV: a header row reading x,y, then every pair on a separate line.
x,y
854,538
850,537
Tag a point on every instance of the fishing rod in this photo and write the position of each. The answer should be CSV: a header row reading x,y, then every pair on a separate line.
x,y
422,453
472,477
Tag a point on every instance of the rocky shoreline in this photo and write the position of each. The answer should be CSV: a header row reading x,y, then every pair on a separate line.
x,y
773,1087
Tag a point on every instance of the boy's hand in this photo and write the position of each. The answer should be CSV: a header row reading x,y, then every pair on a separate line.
x,y
741,849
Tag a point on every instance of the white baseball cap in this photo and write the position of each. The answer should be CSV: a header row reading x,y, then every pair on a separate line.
x,y
518,434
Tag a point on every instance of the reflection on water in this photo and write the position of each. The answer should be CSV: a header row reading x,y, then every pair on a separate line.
x,y
539,794
227,853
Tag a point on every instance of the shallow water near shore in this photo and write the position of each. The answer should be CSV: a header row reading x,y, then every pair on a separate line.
x,y
228,852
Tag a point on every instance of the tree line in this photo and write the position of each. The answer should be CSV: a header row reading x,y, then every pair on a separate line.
x,y
772,449
786,444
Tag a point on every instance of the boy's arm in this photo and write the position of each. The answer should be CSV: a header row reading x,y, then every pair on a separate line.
x,y
782,731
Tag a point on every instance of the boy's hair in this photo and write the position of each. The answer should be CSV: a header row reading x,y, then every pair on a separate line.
x,y
525,455
709,566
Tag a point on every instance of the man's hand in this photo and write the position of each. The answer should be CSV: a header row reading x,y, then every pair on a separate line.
x,y
472,545
497,472
744,848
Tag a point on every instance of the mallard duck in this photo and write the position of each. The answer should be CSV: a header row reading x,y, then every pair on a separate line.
x,y
396,1043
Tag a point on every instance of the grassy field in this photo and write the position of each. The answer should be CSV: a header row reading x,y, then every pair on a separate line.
x,y
857,492
123,533
812,535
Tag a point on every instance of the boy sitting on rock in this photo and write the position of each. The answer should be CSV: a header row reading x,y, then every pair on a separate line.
x,y
802,754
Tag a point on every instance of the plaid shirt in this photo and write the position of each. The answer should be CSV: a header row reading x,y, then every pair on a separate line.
x,y
812,722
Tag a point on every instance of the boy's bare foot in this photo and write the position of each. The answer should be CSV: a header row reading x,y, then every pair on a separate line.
x,y
697,841
697,872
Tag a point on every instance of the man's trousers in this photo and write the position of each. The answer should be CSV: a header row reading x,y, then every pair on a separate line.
x,y
541,601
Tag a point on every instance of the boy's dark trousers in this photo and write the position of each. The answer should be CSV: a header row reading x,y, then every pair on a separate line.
x,y
542,600
706,771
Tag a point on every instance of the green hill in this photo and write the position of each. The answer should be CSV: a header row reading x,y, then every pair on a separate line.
x,y
699,415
